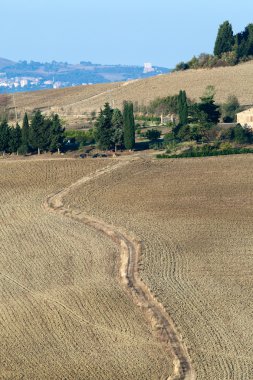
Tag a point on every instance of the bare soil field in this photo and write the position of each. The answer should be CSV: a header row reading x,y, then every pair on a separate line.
x,y
236,80
63,311
194,219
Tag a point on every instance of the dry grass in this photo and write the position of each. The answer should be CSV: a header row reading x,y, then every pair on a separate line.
x,y
235,80
194,217
63,313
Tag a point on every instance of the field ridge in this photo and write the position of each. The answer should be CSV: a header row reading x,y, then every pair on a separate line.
x,y
130,253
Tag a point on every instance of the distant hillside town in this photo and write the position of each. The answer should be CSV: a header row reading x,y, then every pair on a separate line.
x,y
31,76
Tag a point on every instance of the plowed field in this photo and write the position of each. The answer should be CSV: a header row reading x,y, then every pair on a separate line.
x,y
63,311
194,218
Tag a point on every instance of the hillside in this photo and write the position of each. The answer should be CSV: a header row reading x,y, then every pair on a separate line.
x,y
237,80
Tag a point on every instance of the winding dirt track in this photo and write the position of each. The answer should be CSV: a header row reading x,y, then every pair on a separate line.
x,y
130,254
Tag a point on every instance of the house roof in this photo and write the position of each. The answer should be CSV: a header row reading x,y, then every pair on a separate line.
x,y
249,110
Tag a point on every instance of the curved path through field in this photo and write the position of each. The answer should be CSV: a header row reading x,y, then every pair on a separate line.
x,y
130,253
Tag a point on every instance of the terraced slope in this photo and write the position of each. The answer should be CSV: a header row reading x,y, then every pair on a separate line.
x,y
63,313
194,218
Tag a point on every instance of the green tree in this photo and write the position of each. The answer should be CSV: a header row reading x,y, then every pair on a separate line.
x,y
230,109
224,40
104,131
129,125
182,108
208,106
15,139
117,128
4,136
153,134
56,134
25,134
37,137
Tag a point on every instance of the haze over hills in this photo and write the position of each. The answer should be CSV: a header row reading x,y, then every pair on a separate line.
x,y
30,76
236,80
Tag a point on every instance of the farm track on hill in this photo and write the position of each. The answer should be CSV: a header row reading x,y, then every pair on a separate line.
x,y
130,254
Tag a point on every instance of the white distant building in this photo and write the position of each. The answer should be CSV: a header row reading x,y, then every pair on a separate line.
x,y
57,85
23,82
148,68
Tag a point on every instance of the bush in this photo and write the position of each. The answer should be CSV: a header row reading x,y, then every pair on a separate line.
x,y
153,134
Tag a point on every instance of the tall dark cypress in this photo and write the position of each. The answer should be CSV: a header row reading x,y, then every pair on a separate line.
x,y
4,136
129,125
182,108
224,40
25,133
37,132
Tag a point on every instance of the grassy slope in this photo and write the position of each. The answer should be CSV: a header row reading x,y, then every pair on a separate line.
x,y
235,80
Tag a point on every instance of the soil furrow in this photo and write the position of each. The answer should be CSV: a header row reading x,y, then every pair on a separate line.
x,y
130,253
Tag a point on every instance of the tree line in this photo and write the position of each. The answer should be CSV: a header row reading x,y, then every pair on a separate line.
x,y
229,49
114,129
40,134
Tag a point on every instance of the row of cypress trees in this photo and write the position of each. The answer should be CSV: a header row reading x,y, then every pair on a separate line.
x,y
241,43
42,133
115,129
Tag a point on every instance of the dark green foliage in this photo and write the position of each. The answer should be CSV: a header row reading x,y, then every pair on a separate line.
x,y
230,109
244,42
208,107
129,125
56,134
241,135
104,131
205,151
225,39
38,132
117,128
15,139
165,106
25,134
82,138
182,108
4,136
153,134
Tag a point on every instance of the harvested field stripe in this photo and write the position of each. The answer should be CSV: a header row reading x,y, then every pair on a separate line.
x,y
130,253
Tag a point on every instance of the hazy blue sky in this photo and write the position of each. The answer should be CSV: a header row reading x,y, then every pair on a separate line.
x,y
163,32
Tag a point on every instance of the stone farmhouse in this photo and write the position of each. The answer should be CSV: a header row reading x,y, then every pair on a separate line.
x,y
246,117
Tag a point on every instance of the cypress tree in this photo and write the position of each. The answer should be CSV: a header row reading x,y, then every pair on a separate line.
x,y
129,125
224,40
37,136
182,108
4,136
117,125
15,139
104,131
56,134
25,134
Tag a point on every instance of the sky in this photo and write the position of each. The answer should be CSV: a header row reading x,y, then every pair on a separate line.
x,y
129,32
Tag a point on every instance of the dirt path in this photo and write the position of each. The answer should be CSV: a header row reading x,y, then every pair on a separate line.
x,y
130,254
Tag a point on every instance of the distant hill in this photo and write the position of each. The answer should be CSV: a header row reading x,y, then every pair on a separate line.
x,y
5,62
31,76
78,101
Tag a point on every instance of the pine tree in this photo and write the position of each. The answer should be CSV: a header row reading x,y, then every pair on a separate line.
x,y
104,130
25,134
117,126
182,108
208,106
224,40
4,136
129,125
56,134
